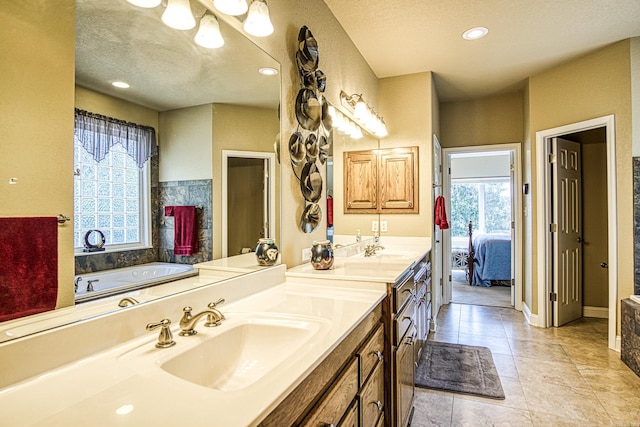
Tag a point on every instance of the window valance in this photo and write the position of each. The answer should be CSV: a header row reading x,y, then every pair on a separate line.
x,y
99,133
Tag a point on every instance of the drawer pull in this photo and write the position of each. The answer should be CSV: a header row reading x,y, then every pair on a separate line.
x,y
328,425
378,354
407,290
378,404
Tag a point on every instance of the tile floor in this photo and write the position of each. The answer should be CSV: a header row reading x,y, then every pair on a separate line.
x,y
463,293
551,377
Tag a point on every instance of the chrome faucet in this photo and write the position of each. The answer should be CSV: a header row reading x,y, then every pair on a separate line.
x,y
90,284
127,301
370,250
188,321
75,283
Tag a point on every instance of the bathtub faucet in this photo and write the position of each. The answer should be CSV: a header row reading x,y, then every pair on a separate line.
x,y
90,284
75,283
127,301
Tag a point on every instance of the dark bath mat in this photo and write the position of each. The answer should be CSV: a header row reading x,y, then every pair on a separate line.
x,y
459,368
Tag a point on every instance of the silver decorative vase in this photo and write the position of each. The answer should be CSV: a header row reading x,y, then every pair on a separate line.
x,y
322,255
267,252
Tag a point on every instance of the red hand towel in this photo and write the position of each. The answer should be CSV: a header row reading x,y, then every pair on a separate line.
x,y
440,214
28,266
185,229
329,211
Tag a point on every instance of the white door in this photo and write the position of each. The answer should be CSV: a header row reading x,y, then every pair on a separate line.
x,y
436,252
514,242
567,238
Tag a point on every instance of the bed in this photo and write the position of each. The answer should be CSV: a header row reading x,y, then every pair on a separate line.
x,y
489,258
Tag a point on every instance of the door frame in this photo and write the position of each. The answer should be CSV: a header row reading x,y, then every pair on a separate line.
x,y
516,148
270,160
543,216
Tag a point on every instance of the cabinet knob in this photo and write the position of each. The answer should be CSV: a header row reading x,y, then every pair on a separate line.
x,y
328,425
378,354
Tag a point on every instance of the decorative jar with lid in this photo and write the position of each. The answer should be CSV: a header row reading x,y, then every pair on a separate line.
x,y
267,252
322,255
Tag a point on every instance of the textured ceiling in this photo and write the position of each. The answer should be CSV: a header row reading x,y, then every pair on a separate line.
x,y
398,37
165,68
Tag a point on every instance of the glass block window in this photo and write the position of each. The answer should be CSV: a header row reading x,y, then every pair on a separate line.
x,y
110,196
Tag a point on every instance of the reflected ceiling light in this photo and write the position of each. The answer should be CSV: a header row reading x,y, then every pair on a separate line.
x,y
231,7
208,34
268,71
475,33
145,3
121,85
178,15
258,22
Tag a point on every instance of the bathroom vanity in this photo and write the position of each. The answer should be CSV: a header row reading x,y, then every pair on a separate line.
x,y
403,267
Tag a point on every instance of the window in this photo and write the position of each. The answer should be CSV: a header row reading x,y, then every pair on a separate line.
x,y
487,203
111,194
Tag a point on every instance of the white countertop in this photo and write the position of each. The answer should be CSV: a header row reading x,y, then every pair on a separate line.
x,y
244,263
106,389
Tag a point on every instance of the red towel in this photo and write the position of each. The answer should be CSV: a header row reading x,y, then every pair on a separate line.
x,y
185,232
440,214
28,266
329,211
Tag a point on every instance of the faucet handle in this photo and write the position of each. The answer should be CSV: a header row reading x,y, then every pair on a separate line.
x,y
165,339
214,304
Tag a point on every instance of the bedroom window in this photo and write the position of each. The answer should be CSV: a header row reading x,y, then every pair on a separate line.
x,y
487,203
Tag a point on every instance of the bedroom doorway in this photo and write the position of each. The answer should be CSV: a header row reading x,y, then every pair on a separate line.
x,y
482,192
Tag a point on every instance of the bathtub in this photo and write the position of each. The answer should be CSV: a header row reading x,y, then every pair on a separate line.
x,y
111,282
635,298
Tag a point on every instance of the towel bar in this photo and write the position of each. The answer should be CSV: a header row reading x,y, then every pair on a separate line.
x,y
63,219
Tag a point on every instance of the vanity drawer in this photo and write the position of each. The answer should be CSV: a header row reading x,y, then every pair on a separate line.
x,y
336,400
403,321
402,292
372,398
371,353
351,417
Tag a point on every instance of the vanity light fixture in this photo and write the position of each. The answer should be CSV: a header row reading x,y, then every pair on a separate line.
x,y
121,85
268,71
209,34
364,115
475,33
148,4
178,15
258,22
231,7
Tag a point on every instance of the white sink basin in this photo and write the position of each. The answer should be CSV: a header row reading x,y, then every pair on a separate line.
x,y
236,354
384,260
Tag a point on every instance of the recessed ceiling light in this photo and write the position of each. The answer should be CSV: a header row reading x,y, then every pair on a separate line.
x,y
121,85
475,33
268,71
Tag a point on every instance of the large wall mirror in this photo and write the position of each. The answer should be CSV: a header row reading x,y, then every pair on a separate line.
x,y
201,102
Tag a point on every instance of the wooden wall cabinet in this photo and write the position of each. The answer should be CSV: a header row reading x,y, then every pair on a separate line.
x,y
381,181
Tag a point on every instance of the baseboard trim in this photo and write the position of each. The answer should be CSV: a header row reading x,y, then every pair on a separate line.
x,y
618,343
533,319
599,312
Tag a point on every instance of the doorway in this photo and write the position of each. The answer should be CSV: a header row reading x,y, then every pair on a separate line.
x,y
248,210
485,183
548,262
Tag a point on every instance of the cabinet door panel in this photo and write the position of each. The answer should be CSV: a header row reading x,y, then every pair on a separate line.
x,y
360,193
405,372
399,180
372,398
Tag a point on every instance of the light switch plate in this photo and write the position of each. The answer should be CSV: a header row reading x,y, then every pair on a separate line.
x,y
306,254
374,225
383,226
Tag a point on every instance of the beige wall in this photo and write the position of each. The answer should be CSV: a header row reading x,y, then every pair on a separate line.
x,y
99,103
36,119
407,105
635,93
592,86
185,139
485,121
345,70
594,221
241,129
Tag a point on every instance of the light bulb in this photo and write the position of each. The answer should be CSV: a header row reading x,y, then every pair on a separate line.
x,y
382,132
360,111
231,7
178,15
145,3
357,133
208,34
258,22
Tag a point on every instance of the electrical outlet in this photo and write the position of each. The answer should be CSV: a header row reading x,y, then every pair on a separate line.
x,y
383,226
374,226
306,254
